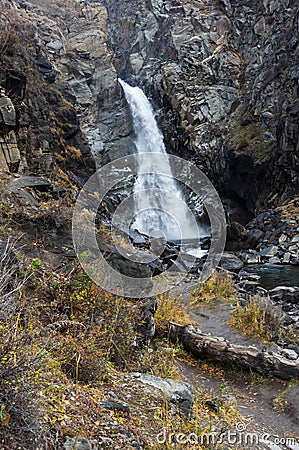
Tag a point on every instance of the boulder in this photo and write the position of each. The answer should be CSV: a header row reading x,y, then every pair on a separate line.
x,y
274,260
179,393
290,354
38,183
250,257
268,252
231,262
236,234
77,443
285,294
286,258
253,238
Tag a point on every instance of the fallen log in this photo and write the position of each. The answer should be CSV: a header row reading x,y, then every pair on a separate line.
x,y
219,349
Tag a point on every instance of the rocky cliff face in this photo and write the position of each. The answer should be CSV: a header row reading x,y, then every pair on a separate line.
x,y
223,76
60,97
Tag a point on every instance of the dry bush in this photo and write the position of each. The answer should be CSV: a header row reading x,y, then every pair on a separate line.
x,y
260,318
89,325
219,286
170,309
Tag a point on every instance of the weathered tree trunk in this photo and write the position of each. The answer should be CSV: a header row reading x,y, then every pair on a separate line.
x,y
221,350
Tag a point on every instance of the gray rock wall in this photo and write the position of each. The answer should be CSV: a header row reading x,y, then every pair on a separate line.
x,y
224,75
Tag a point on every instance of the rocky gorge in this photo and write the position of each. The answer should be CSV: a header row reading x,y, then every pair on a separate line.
x,y
222,77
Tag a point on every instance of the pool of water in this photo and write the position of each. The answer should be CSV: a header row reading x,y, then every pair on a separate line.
x,y
272,276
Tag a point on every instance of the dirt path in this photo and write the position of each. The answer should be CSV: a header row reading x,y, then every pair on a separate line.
x,y
267,405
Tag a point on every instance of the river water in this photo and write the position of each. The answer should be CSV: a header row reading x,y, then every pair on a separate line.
x,y
273,276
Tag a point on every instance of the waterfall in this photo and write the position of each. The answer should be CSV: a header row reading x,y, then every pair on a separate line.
x,y
160,208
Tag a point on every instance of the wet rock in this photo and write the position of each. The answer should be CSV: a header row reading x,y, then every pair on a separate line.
x,y
231,262
286,258
295,262
191,264
243,275
247,286
285,294
274,260
268,252
236,235
250,257
137,238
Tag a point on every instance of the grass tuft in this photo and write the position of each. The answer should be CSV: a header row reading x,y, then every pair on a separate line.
x,y
258,319
219,286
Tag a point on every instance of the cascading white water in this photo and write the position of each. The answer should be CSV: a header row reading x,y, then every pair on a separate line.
x,y
156,209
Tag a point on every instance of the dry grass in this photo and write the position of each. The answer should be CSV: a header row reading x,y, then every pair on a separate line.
x,y
170,309
218,287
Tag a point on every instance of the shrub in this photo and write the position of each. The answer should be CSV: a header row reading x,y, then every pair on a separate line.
x,y
170,309
260,318
219,286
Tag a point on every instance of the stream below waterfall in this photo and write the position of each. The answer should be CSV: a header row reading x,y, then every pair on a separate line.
x,y
272,276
